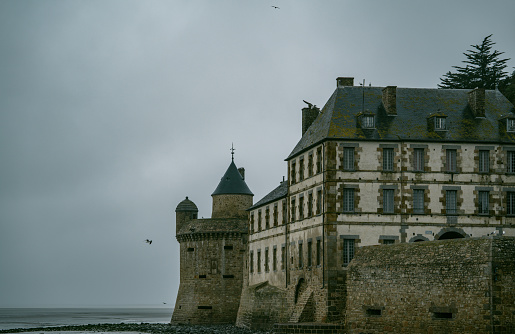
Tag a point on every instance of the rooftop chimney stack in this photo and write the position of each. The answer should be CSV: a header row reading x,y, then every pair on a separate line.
x,y
242,172
390,100
344,82
477,102
309,115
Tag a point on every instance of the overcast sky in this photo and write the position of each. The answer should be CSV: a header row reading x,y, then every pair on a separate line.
x,y
111,112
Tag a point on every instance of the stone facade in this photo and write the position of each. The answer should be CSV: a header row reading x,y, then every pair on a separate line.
x,y
212,253
452,286
399,171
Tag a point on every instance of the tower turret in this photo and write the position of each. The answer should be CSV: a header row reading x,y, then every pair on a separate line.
x,y
185,211
232,197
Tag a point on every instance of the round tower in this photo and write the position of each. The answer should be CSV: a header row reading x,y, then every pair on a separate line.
x,y
232,197
185,211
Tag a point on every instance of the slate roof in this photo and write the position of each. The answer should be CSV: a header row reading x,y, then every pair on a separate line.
x,y
186,205
232,183
338,118
280,192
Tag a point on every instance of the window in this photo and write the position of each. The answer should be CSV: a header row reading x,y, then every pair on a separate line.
x,y
319,160
310,255
440,123
301,207
251,262
214,266
319,202
252,223
301,262
387,200
388,241
293,209
450,202
348,158
259,261
484,161
310,165
310,204
348,200
267,217
510,125
267,267
388,159
301,169
510,203
367,122
418,201
319,251
348,251
483,202
285,212
511,161
450,160
259,220
276,222
293,172
283,256
418,160
274,259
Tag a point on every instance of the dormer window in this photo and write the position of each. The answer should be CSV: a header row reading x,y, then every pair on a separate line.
x,y
440,123
367,122
510,124
437,122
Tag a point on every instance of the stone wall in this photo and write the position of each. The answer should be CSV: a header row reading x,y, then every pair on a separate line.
x,y
231,206
261,306
451,286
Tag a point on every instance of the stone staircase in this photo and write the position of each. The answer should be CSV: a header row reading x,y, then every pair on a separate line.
x,y
304,309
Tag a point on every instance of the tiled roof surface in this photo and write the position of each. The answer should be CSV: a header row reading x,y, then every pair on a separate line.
x,y
279,192
232,183
338,118
186,205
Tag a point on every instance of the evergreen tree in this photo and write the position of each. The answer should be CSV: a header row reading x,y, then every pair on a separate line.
x,y
507,87
483,69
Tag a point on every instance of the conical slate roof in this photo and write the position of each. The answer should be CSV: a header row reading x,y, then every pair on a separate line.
x,y
186,205
232,183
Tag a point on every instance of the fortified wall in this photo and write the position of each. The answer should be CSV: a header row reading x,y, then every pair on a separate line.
x,y
448,286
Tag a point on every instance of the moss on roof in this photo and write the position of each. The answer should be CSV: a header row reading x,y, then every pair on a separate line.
x,y
339,117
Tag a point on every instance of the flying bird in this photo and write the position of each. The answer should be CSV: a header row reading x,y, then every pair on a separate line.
x,y
148,241
275,7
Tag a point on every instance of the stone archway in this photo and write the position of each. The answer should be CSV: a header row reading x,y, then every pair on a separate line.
x,y
451,233
300,288
418,238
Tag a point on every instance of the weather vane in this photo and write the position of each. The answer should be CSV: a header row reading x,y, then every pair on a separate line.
x,y
232,151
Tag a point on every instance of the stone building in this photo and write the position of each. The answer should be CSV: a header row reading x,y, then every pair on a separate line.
x,y
377,166
212,253
356,240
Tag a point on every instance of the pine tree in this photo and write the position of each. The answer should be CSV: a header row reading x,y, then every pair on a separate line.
x,y
483,69
507,87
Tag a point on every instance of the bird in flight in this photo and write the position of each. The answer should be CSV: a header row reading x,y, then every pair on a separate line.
x,y
275,7
148,241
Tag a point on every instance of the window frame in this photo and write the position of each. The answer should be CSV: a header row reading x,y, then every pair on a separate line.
x,y
348,250
388,201
451,202
418,160
348,200
510,203
483,202
510,162
348,158
419,201
484,161
440,123
388,158
368,122
451,156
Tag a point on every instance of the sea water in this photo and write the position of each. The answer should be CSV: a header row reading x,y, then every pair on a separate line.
x,y
11,318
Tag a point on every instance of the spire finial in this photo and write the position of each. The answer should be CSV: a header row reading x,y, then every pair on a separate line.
x,y
232,151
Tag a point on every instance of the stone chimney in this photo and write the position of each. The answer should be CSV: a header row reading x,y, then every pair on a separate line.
x,y
390,100
477,102
308,117
344,82
242,172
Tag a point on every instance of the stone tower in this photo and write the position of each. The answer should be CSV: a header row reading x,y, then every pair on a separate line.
x,y
212,254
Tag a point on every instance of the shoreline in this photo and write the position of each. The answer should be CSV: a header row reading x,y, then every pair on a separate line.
x,y
139,328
